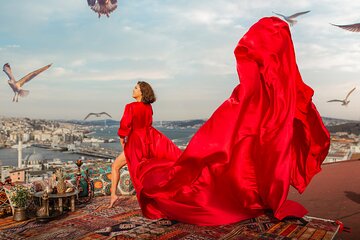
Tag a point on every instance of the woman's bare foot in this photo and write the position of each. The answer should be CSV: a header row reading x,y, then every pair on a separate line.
x,y
113,200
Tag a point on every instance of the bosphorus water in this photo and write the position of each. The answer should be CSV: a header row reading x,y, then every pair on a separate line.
x,y
180,136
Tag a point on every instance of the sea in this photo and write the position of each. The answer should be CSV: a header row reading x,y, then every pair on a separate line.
x,y
180,136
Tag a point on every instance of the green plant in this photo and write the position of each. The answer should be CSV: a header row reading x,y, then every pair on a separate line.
x,y
20,196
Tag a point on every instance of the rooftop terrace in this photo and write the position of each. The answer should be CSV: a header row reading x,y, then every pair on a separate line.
x,y
333,194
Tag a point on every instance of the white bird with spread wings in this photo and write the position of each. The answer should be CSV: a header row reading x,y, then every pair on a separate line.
x,y
345,101
97,115
17,85
350,27
291,19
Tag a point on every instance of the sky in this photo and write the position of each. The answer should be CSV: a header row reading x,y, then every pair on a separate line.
x,y
183,48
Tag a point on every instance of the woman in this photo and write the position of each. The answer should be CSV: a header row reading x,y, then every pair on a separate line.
x,y
138,138
265,137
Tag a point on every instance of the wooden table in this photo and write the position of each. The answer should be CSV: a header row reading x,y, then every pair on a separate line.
x,y
60,197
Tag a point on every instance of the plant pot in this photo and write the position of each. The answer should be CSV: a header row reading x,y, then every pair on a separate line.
x,y
19,214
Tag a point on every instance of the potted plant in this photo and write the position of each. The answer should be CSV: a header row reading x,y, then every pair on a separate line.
x,y
20,197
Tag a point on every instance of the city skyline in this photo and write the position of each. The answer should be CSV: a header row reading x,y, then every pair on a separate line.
x,y
184,49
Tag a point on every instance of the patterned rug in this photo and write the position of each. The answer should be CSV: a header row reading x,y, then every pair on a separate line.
x,y
95,221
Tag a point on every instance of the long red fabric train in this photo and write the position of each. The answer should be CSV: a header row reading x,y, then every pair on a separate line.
x,y
264,137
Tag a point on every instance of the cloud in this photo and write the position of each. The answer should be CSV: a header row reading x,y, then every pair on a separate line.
x,y
13,46
125,75
78,63
59,72
9,47
63,74
328,55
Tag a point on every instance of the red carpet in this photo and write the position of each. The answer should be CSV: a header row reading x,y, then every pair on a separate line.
x,y
125,221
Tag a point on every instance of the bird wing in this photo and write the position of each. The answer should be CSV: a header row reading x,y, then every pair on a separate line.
x,y
280,15
351,27
298,14
350,93
335,100
111,7
91,2
7,70
106,114
89,115
31,75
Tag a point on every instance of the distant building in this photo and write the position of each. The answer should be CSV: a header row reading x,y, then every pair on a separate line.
x,y
35,161
36,135
355,156
46,136
26,137
38,175
53,164
19,175
337,156
355,148
13,137
5,172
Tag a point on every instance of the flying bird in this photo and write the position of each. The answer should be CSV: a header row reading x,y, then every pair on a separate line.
x,y
345,101
97,115
104,7
17,85
291,19
350,27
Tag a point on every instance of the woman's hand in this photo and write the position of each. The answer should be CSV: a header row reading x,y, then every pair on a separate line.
x,y
122,142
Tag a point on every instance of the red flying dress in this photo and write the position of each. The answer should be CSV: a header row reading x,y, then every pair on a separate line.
x,y
265,137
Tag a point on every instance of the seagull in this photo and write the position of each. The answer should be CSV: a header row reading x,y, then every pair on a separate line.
x,y
97,115
291,19
102,6
351,27
344,102
17,85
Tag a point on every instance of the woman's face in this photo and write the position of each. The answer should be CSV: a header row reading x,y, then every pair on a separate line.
x,y
137,92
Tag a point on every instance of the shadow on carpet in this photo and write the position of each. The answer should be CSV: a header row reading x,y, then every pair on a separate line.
x,y
125,221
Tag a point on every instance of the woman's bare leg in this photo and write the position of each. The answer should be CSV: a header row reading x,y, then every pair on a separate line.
x,y
119,162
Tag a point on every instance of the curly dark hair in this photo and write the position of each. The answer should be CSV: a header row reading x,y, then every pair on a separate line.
x,y
148,95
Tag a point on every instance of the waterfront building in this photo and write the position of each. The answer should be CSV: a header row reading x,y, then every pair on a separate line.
x,y
5,172
26,137
46,136
36,135
13,137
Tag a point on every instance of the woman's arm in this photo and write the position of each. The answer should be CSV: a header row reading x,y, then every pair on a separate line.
x,y
125,123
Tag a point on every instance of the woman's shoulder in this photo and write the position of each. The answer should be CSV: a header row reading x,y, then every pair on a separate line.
x,y
136,104
132,104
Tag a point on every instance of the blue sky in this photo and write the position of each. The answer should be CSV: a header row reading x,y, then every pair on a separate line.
x,y
183,48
